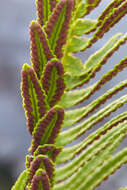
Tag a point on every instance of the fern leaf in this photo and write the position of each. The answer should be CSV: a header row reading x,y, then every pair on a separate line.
x,y
94,63
22,181
42,162
44,10
108,168
77,44
93,150
53,82
40,181
47,128
70,152
74,97
58,25
83,26
34,98
40,49
115,16
72,116
71,134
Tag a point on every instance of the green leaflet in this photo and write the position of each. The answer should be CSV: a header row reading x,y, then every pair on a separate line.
x,y
74,97
71,134
72,116
77,44
98,57
70,152
47,128
53,82
83,26
73,66
93,150
95,62
34,97
58,25
123,188
40,49
106,169
87,169
21,182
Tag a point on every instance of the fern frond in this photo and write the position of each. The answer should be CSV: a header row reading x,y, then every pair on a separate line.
x,y
93,64
22,181
47,128
74,97
71,134
70,152
94,149
58,24
110,20
40,50
53,82
34,97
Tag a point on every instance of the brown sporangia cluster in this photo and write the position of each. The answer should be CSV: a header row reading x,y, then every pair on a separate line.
x,y
42,126
37,60
40,16
69,5
43,179
53,4
63,34
49,150
27,102
28,79
38,162
47,80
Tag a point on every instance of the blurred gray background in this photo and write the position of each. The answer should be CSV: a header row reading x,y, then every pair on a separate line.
x,y
14,51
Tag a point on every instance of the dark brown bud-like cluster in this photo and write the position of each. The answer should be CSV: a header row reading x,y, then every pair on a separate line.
x,y
38,162
38,64
57,127
49,150
39,93
63,34
27,101
28,78
43,179
53,4
44,124
52,21
40,12
46,81
54,17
